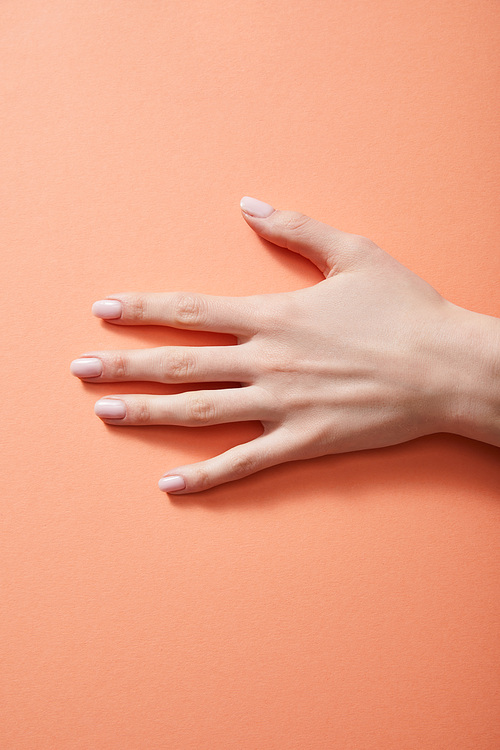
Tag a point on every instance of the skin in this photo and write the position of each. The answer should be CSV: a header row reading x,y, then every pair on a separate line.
x,y
370,356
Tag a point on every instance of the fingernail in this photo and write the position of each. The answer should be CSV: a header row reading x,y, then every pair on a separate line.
x,y
108,309
86,367
110,408
253,207
172,483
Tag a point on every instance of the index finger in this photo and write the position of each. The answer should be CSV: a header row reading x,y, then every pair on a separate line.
x,y
201,312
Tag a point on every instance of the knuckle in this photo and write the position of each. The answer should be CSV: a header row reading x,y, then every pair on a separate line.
x,y
278,360
200,410
279,364
140,413
137,307
178,366
242,465
366,242
118,366
354,249
189,310
363,245
201,479
294,222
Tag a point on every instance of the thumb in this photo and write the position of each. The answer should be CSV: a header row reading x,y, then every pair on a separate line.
x,y
269,449
331,250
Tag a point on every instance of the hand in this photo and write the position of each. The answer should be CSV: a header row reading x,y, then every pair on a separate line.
x,y
370,356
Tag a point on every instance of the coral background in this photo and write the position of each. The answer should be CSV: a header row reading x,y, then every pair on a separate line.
x,y
347,602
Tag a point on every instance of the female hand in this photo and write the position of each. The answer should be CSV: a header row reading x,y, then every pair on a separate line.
x,y
370,356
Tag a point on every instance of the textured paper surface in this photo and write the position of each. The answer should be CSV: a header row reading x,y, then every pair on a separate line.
x,y
348,602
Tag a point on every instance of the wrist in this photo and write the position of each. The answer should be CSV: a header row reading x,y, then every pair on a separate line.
x,y
470,376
